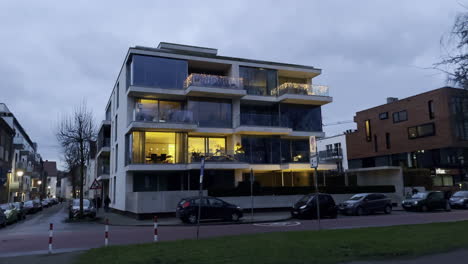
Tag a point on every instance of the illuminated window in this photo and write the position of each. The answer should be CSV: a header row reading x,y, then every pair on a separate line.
x,y
206,146
368,130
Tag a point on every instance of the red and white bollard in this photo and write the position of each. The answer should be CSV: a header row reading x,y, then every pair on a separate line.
x,y
51,232
155,229
106,233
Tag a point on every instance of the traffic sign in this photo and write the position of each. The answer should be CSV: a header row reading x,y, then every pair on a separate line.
x,y
96,185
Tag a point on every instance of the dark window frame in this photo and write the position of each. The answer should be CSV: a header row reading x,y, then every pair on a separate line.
x,y
430,108
383,116
398,115
417,132
387,140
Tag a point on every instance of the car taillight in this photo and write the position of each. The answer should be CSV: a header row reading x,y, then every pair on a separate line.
x,y
186,204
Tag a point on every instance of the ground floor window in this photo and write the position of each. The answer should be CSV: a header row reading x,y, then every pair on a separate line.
x,y
443,180
284,179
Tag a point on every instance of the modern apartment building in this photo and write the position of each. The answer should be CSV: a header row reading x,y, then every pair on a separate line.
x,y
174,104
26,163
428,130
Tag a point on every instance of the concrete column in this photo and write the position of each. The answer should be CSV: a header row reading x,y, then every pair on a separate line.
x,y
346,179
235,113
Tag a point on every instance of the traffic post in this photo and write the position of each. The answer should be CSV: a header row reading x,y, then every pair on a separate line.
x,y
51,232
106,233
155,229
314,164
200,192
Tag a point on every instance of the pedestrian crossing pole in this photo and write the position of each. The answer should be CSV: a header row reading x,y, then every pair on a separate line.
x,y
51,232
200,194
106,233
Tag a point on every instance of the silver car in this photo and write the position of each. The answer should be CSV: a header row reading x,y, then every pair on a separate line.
x,y
88,208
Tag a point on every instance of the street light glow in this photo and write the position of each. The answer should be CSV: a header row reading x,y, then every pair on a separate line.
x,y
20,173
39,182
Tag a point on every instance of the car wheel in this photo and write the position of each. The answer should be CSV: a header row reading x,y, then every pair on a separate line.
x,y
192,219
388,209
447,207
424,208
235,217
359,211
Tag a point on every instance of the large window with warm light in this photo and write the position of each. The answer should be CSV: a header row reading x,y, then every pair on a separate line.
x,y
158,147
208,147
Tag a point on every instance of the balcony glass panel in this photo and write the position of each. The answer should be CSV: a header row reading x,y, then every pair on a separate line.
x,y
258,81
213,81
211,113
302,89
260,115
212,148
158,72
302,117
261,150
294,151
161,111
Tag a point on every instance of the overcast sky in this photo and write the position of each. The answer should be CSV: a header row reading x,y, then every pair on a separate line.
x,y
55,54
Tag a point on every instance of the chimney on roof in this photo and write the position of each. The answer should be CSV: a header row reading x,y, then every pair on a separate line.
x,y
391,99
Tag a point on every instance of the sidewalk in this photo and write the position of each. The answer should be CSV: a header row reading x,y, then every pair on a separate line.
x,y
122,220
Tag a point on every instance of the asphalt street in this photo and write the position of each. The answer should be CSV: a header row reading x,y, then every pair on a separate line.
x,y
31,236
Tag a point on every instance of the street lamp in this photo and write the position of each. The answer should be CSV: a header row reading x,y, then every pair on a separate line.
x,y
20,174
39,182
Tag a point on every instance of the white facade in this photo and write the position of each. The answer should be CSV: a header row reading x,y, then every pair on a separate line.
x,y
121,114
52,186
334,149
66,188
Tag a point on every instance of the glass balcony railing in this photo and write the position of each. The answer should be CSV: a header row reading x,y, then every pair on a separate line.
x,y
302,89
253,119
213,81
150,113
105,142
297,157
221,156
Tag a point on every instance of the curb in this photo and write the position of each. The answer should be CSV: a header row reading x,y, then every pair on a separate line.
x,y
206,224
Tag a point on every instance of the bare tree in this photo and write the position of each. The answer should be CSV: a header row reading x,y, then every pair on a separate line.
x,y
70,157
74,134
455,61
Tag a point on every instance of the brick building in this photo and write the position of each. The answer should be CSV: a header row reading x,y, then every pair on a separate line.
x,y
428,130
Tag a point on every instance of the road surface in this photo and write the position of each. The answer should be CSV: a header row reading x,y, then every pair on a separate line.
x,y
31,236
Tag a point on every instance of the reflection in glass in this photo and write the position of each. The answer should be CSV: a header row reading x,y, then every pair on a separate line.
x,y
211,113
302,117
258,81
158,72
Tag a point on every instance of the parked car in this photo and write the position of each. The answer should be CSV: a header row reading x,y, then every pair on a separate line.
x,y
366,203
21,211
459,200
306,207
31,207
10,213
426,201
211,209
46,203
3,219
38,204
88,209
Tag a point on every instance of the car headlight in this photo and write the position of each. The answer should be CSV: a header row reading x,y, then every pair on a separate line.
x,y
303,207
415,202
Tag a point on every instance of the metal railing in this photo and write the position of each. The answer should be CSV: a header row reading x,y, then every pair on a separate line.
x,y
220,156
331,154
214,81
302,89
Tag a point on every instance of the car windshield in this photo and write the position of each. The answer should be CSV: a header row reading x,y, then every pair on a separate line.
x,y
4,207
306,198
420,195
461,194
28,203
76,202
356,197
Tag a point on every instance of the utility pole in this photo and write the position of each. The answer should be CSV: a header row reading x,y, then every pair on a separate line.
x,y
200,194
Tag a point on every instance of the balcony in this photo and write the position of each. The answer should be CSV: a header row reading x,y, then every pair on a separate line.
x,y
148,116
331,154
208,85
298,93
266,124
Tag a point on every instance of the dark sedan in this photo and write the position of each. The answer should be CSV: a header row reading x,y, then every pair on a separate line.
x,y
211,209
20,209
306,207
426,201
366,203
459,200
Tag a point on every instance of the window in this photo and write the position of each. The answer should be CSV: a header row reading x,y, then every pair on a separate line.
x,y
158,72
115,128
301,117
400,116
161,111
425,130
383,115
117,92
211,112
115,184
116,157
387,140
368,131
158,147
376,146
258,81
206,146
430,108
